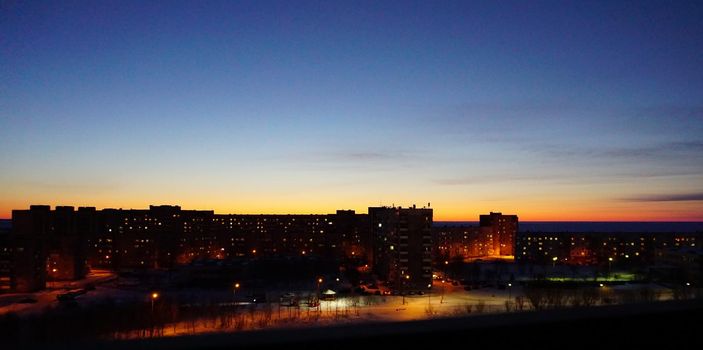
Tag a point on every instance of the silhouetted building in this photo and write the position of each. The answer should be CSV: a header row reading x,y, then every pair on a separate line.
x,y
63,244
6,260
600,248
504,230
462,242
353,235
495,236
67,242
402,246
30,232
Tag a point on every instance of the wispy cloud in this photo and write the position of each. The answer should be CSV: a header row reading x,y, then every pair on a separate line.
x,y
486,179
366,156
680,197
662,151
352,161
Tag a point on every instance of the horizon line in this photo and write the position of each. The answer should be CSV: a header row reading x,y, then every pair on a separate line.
x,y
474,219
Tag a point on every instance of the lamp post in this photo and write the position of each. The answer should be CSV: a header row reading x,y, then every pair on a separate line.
x,y
319,302
429,293
441,300
405,284
154,296
234,292
510,291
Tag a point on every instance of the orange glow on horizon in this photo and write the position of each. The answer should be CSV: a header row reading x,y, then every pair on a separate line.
x,y
586,212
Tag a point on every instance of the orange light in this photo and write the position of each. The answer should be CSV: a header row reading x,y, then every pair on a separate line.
x,y
53,270
236,285
154,295
319,280
253,251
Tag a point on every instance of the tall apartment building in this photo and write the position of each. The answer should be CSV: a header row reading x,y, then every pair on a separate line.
x,y
67,242
402,246
6,258
504,230
30,230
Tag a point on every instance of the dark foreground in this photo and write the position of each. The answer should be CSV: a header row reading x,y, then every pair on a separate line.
x,y
670,324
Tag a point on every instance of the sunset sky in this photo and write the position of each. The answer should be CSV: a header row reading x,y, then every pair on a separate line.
x,y
552,110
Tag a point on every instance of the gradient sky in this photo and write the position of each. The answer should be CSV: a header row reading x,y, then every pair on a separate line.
x,y
552,110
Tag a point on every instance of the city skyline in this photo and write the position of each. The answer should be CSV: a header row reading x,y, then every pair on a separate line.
x,y
555,111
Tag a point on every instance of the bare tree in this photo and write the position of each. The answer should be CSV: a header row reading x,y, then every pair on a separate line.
x,y
536,296
480,306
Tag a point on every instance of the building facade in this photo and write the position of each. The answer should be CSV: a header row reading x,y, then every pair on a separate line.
x,y
402,246
600,248
64,243
504,230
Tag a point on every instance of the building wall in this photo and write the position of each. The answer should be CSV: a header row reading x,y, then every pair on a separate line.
x,y
6,261
600,248
30,231
504,231
402,248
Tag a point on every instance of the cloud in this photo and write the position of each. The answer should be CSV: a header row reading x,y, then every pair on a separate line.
x,y
662,151
353,161
698,196
497,178
366,156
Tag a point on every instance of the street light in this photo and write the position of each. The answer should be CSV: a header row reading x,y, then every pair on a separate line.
x,y
154,296
441,300
407,277
319,282
234,292
510,290
429,293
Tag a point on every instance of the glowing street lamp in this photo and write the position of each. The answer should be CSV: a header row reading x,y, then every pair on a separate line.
x,y
319,282
429,293
234,292
404,285
441,300
510,290
154,296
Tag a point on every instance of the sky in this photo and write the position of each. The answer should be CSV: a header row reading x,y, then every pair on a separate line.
x,y
551,110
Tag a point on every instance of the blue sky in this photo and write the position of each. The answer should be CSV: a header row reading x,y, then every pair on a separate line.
x,y
553,110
